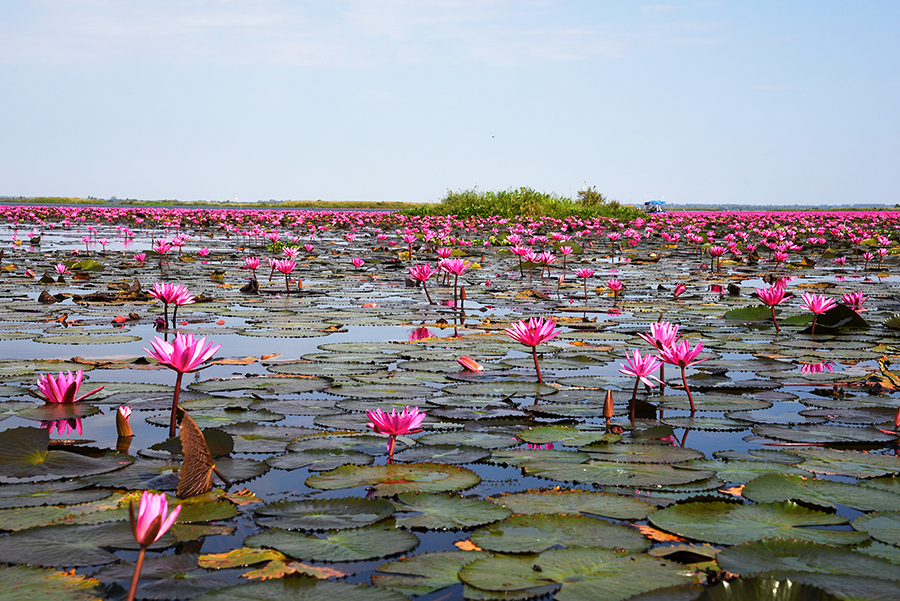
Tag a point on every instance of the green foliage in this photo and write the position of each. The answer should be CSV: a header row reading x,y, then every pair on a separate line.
x,y
589,197
524,202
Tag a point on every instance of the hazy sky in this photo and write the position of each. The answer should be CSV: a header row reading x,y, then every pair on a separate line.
x,y
708,101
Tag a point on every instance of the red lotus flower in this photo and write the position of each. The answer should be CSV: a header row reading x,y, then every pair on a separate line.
x,y
62,389
773,296
421,273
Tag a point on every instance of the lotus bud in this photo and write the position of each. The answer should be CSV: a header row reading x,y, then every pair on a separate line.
x,y
123,427
608,410
470,364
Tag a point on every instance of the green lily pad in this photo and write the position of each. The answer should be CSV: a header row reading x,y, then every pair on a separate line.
x,y
566,436
575,502
482,440
300,589
502,389
24,454
743,471
817,433
87,338
369,444
70,546
602,473
731,524
425,573
582,574
766,589
445,512
519,457
391,479
324,514
883,526
822,493
165,577
381,391
540,531
713,402
27,583
855,464
318,460
57,492
751,313
781,555
369,542
640,453
442,454
262,384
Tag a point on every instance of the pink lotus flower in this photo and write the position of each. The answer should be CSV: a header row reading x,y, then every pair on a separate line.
x,y
818,304
585,273
444,252
615,285
816,368
203,252
150,524
140,257
357,262
171,293
679,290
251,263
62,389
854,300
421,273
773,296
457,267
123,421
395,424
61,269
185,355
640,367
285,266
662,334
534,332
681,354
63,426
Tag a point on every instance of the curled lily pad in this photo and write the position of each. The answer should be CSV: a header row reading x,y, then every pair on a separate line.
x,y
391,479
324,514
358,544
731,524
445,512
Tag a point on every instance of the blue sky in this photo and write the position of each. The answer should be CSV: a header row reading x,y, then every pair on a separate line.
x,y
706,101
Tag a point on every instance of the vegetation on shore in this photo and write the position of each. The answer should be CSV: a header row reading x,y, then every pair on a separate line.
x,y
527,203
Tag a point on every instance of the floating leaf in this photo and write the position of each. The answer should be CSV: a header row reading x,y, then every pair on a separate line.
x,y
640,453
565,435
574,502
538,532
391,479
602,473
445,512
855,464
823,434
582,573
300,589
319,460
766,589
483,440
883,526
782,555
165,577
731,524
357,544
425,573
823,493
57,492
743,471
324,514
24,454
26,583
452,454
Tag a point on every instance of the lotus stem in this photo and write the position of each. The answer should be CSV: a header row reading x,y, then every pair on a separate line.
x,y
138,564
175,404
688,390
537,367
